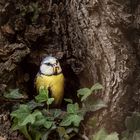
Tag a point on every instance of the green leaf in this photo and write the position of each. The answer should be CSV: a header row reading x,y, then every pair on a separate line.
x,y
136,135
68,100
46,135
29,119
71,119
48,124
97,86
37,113
73,108
84,92
14,94
24,131
43,95
39,122
56,112
43,120
95,105
50,101
112,136
77,119
15,125
100,135
66,121
36,135
21,113
32,104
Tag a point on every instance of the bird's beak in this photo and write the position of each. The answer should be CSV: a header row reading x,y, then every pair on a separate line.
x,y
56,70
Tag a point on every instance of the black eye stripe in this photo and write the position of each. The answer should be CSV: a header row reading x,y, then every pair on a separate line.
x,y
49,64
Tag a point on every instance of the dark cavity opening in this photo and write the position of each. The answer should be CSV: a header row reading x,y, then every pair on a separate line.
x,y
72,83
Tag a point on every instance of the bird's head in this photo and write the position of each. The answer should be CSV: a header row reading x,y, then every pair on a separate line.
x,y
50,66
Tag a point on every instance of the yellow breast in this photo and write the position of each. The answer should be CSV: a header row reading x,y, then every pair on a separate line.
x,y
55,83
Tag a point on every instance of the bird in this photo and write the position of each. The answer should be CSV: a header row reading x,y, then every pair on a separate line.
x,y
50,76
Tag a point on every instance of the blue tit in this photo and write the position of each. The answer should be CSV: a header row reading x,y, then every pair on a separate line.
x,y
51,77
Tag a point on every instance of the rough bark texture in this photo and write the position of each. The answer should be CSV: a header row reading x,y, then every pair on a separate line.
x,y
110,30
95,40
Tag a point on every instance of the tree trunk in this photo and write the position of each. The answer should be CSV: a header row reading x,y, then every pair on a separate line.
x,y
96,41
109,30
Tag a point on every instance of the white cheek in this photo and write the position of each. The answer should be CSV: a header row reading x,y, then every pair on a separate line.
x,y
47,70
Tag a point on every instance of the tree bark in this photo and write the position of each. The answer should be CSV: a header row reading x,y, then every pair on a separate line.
x,y
95,40
110,32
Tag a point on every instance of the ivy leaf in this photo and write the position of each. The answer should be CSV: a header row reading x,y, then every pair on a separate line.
x,y
73,108
77,119
14,94
84,92
71,119
15,125
102,135
96,105
39,121
56,112
31,118
68,100
24,131
42,120
42,96
46,135
36,135
136,135
50,101
32,104
48,124
37,113
66,121
112,136
97,86
21,113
